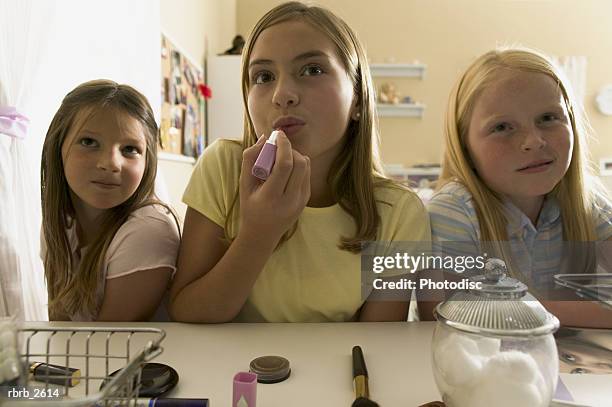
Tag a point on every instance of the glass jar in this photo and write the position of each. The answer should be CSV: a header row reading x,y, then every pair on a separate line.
x,y
494,346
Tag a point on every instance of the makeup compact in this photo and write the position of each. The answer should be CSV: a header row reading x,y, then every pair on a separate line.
x,y
155,380
270,369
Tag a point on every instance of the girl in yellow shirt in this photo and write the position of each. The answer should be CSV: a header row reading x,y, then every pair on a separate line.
x,y
288,249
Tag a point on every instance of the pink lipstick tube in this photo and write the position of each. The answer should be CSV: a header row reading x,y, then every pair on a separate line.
x,y
245,390
267,156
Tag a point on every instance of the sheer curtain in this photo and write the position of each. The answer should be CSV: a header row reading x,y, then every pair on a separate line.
x,y
24,28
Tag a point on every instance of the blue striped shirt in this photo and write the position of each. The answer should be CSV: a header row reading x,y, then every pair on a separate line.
x,y
537,251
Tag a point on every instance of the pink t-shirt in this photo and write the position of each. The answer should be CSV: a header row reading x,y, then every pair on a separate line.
x,y
148,240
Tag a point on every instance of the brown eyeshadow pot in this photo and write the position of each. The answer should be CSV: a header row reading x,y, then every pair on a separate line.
x,y
270,369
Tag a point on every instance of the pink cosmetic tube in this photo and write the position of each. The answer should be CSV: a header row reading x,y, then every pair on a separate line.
x,y
245,390
265,160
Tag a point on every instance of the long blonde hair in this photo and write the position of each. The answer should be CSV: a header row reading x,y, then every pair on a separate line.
x,y
579,189
71,292
357,171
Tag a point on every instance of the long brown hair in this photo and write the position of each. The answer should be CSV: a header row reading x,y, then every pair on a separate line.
x,y
69,291
357,171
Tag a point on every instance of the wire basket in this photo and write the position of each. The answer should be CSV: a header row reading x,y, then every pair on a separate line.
x,y
96,353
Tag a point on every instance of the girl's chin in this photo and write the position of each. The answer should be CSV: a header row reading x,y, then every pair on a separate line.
x,y
102,205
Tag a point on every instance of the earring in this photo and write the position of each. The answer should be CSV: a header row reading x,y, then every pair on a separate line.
x,y
357,116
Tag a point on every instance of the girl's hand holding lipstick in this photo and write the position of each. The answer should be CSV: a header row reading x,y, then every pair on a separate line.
x,y
268,209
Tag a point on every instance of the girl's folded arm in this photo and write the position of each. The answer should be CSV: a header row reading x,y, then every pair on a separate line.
x,y
134,297
214,280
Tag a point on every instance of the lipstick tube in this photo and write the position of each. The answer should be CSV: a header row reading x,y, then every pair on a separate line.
x,y
244,390
55,374
267,156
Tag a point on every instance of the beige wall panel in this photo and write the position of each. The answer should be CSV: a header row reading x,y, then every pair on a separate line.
x,y
448,34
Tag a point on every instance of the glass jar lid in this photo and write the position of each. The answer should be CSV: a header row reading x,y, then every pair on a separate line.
x,y
500,306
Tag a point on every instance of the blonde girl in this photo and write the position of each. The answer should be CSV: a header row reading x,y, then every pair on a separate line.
x,y
288,249
109,247
516,174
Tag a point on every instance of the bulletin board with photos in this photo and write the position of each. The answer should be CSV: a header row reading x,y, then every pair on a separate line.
x,y
182,113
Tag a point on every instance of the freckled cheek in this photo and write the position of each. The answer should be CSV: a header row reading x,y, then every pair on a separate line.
x,y
564,147
489,160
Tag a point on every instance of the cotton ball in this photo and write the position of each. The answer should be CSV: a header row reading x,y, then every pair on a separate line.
x,y
513,365
488,346
7,353
9,364
7,326
458,360
7,340
494,391
460,397
509,379
10,368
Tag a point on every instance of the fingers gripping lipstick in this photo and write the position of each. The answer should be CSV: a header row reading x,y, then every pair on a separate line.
x,y
267,156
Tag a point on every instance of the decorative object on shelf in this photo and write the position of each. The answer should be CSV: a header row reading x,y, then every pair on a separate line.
x,y
390,102
205,91
388,94
603,100
237,45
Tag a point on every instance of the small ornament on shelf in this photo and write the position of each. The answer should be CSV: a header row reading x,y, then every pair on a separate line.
x,y
388,94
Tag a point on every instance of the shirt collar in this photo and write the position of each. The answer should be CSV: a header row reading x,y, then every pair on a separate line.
x,y
518,221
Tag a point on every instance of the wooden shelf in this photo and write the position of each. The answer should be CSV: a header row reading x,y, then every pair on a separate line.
x,y
400,110
398,70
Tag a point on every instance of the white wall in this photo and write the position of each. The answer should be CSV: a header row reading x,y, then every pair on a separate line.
x,y
114,39
199,27
225,109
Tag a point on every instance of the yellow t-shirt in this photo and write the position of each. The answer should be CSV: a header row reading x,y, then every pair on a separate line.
x,y
308,278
